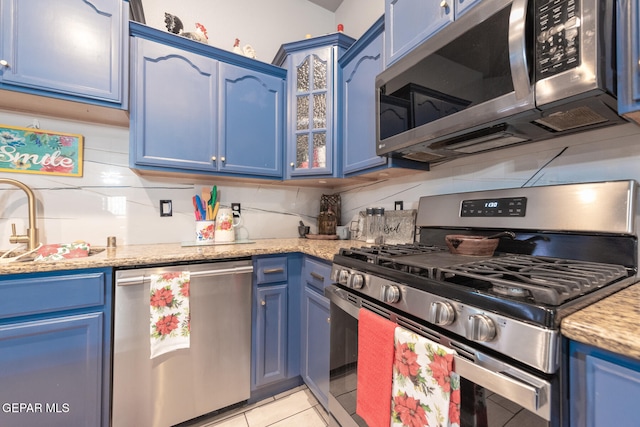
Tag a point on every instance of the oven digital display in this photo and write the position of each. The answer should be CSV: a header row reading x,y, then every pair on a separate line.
x,y
511,206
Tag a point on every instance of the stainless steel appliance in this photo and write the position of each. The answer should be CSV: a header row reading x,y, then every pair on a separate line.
x,y
574,244
184,384
506,72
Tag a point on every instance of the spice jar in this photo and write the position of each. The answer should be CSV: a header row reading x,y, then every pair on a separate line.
x,y
379,222
369,227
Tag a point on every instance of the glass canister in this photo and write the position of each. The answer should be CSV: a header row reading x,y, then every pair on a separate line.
x,y
378,227
369,226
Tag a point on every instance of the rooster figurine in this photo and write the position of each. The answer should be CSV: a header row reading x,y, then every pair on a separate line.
x,y
199,35
174,25
236,47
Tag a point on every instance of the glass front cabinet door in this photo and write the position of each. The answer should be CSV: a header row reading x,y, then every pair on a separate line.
x,y
311,95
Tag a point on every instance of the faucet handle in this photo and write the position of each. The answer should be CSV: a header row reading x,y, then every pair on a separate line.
x,y
13,229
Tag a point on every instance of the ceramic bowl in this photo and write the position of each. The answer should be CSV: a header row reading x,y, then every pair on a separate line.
x,y
471,245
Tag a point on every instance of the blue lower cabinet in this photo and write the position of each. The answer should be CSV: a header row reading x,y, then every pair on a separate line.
x,y
55,358
315,344
276,325
604,388
270,338
314,349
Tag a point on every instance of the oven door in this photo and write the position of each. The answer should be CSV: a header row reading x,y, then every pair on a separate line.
x,y
493,392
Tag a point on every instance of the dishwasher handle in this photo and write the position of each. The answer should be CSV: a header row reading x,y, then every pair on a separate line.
x,y
139,280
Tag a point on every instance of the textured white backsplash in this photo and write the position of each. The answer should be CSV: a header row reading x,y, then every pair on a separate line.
x,y
112,200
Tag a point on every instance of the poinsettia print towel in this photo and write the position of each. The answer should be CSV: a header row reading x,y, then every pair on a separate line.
x,y
170,321
425,391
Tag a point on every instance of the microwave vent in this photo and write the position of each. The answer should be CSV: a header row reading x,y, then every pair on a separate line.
x,y
571,119
421,156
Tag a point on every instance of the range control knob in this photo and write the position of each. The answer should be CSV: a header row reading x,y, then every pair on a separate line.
x,y
441,313
480,328
356,281
390,294
343,277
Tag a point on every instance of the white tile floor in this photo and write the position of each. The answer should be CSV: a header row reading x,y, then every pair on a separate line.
x,y
294,408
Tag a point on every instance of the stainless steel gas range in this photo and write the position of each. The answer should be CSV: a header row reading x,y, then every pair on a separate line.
x,y
572,244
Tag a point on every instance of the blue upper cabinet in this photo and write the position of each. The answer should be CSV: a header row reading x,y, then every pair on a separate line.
x,y
251,122
409,22
198,109
359,67
628,39
173,107
68,49
312,93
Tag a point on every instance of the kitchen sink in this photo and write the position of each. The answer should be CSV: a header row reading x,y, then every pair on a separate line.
x,y
23,255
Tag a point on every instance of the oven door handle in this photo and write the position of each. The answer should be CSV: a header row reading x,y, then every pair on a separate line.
x,y
531,397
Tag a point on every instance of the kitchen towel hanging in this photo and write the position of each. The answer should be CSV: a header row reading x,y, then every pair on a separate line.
x,y
170,319
375,363
426,390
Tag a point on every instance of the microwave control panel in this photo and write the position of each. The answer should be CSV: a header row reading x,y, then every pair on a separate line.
x,y
557,31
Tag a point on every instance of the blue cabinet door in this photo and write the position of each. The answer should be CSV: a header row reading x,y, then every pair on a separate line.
x,y
55,366
604,388
462,6
270,335
311,91
409,22
312,98
314,337
73,48
628,39
315,344
358,114
173,111
251,122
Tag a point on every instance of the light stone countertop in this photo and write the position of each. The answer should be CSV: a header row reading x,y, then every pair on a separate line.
x,y
611,324
164,253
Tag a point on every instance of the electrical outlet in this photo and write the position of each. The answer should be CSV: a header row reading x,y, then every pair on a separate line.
x,y
235,208
166,208
399,205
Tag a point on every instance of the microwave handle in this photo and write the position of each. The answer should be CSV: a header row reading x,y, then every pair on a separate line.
x,y
518,49
531,397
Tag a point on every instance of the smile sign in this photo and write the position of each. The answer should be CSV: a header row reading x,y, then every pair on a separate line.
x,y
38,151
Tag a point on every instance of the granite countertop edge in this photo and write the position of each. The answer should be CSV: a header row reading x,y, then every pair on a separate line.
x,y
611,324
165,253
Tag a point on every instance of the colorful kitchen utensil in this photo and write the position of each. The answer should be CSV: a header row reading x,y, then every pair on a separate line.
x,y
196,208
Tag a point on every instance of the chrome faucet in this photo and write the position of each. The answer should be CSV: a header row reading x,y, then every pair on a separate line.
x,y
31,238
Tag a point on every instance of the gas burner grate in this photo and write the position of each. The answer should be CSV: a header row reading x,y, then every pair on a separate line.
x,y
385,254
544,280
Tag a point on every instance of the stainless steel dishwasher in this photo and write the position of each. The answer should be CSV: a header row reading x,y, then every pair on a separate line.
x,y
214,372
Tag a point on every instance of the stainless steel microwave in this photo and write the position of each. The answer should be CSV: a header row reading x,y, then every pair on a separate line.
x,y
506,72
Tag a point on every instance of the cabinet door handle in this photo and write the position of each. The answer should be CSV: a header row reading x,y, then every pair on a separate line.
x,y
292,164
263,302
213,158
444,4
222,159
273,270
4,63
317,276
328,320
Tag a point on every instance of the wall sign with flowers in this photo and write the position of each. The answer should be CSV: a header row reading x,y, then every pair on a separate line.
x,y
28,150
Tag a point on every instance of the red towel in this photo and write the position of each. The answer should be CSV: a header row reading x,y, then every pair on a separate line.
x,y
375,368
